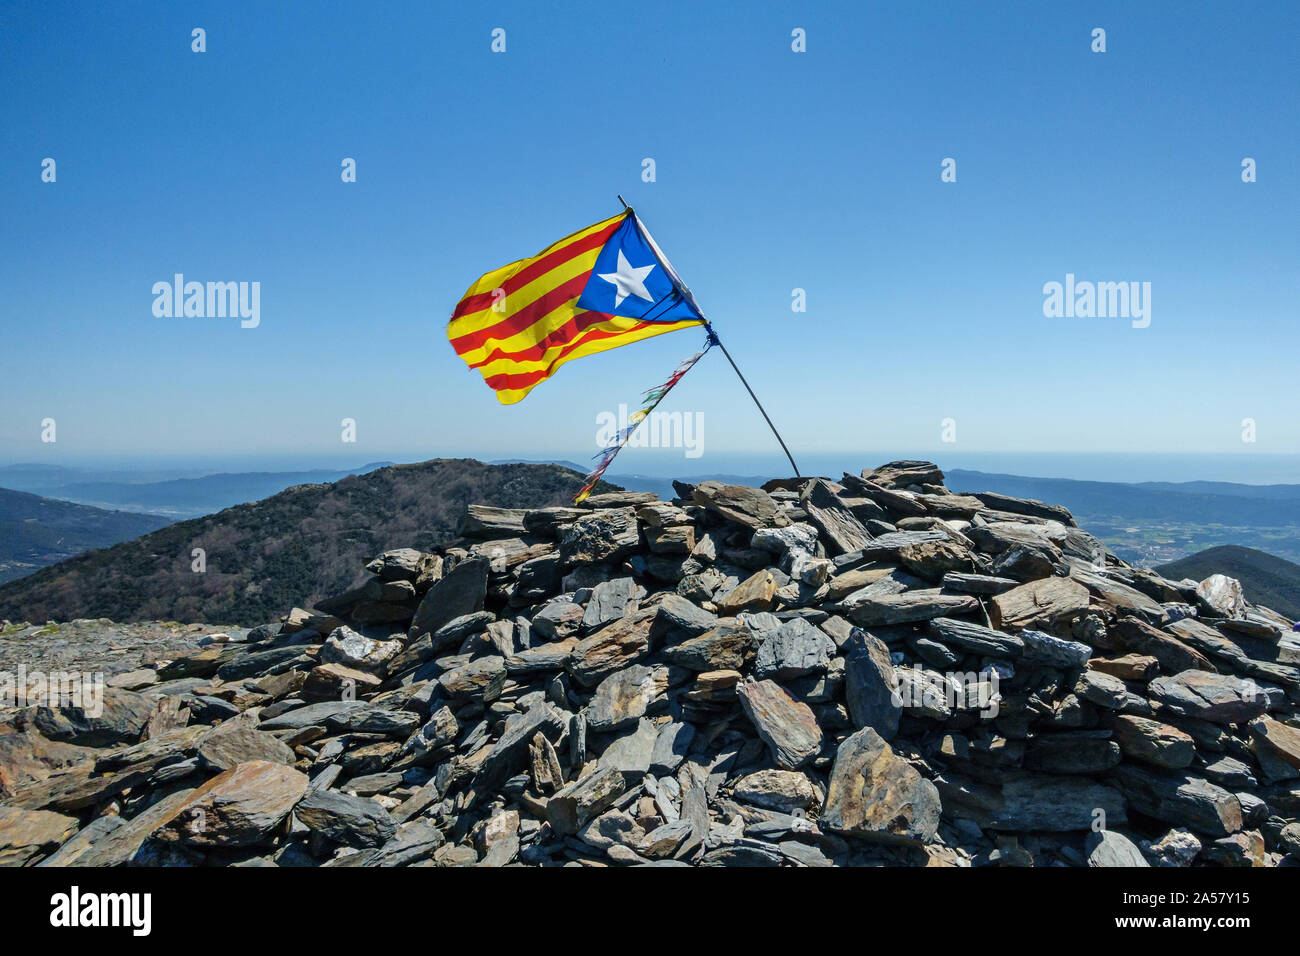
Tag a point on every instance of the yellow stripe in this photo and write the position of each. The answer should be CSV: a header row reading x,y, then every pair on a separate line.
x,y
498,278
514,366
521,299
511,396
555,319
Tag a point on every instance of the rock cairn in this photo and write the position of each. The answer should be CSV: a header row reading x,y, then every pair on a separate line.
x,y
814,673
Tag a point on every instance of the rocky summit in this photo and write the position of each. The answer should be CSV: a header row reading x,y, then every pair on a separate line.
x,y
870,671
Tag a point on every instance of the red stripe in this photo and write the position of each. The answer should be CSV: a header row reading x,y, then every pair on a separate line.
x,y
521,320
534,270
516,380
561,336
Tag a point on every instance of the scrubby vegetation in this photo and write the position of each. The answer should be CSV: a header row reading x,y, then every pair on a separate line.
x,y
295,547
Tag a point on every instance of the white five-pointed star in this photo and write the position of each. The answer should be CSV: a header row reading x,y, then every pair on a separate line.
x,y
628,281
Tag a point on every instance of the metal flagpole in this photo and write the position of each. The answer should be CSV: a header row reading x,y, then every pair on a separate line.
x,y
713,335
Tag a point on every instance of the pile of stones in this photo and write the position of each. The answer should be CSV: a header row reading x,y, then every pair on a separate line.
x,y
871,671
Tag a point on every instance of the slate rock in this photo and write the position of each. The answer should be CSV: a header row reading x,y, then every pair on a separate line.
x,y
341,818
603,535
751,507
782,790
460,591
1053,803
623,697
911,606
609,602
612,648
1279,740
1038,604
120,718
1180,798
755,593
241,806
870,685
1153,742
672,744
452,634
794,649
1050,651
786,725
1109,848
878,796
976,639
28,835
345,646
1218,698
239,741
582,801
677,619
631,753
558,620
728,646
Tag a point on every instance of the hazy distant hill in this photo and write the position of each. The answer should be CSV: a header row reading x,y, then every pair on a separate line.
x,y
1273,492
36,532
562,462
1156,522
1267,580
1177,501
300,545
176,497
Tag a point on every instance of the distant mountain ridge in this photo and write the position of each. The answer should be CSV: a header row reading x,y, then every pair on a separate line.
x,y
1267,579
302,544
1179,500
1271,492
36,532
1153,523
186,497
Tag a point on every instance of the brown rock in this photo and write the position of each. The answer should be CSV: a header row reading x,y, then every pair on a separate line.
x,y
1133,667
1136,635
751,507
27,835
1277,739
1038,603
786,725
674,539
877,795
1153,742
934,559
756,593
611,648
240,807
584,800
911,606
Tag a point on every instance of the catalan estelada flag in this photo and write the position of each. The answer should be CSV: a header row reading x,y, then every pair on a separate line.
x,y
602,287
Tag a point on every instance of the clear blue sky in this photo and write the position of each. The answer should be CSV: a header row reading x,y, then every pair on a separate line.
x,y
775,170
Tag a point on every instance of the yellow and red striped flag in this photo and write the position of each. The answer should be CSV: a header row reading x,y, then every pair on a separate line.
x,y
604,286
